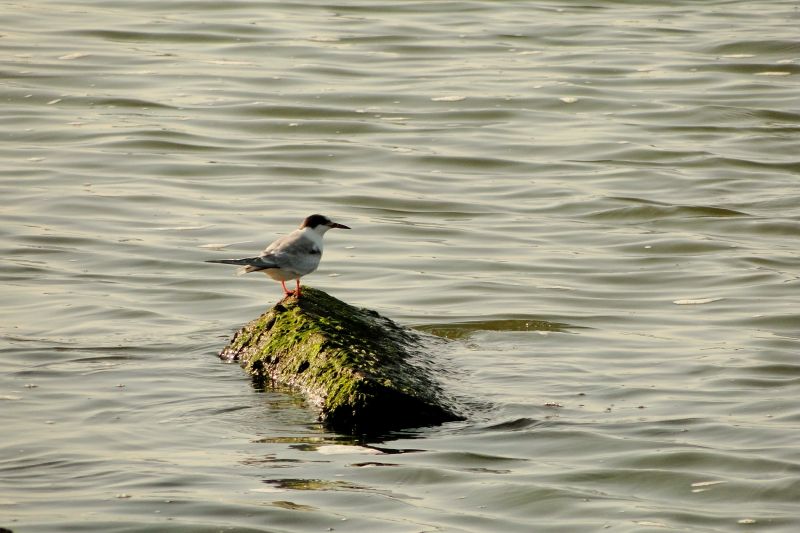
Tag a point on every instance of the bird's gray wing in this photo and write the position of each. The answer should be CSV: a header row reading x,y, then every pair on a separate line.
x,y
282,243
294,253
262,262
292,245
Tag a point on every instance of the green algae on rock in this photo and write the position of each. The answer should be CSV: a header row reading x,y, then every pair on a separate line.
x,y
358,368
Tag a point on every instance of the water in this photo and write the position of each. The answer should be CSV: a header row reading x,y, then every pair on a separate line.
x,y
597,203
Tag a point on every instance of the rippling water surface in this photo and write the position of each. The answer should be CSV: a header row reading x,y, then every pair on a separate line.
x,y
597,203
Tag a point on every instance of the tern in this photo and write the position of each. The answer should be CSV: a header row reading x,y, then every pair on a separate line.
x,y
291,256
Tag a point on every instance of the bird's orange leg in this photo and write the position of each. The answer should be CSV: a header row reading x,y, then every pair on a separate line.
x,y
286,291
297,291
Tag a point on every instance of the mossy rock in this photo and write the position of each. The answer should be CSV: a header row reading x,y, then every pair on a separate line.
x,y
361,370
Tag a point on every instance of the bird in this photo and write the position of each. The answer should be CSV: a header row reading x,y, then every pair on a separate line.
x,y
289,257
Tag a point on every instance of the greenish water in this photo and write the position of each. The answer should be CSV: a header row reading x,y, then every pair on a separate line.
x,y
596,202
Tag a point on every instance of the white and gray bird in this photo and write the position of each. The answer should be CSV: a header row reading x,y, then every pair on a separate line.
x,y
291,256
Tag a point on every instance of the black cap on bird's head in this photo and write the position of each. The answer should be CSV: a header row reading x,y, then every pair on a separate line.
x,y
314,221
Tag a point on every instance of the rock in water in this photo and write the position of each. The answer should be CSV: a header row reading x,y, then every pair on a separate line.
x,y
361,370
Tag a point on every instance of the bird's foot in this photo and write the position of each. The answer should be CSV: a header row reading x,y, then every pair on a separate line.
x,y
291,294
287,292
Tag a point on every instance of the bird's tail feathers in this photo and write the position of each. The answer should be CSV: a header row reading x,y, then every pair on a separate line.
x,y
245,261
251,264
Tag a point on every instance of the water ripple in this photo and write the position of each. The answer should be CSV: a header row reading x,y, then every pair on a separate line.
x,y
595,204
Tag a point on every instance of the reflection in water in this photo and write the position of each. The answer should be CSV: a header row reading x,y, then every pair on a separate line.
x,y
465,329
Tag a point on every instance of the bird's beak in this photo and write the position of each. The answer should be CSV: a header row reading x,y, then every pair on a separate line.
x,y
340,226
